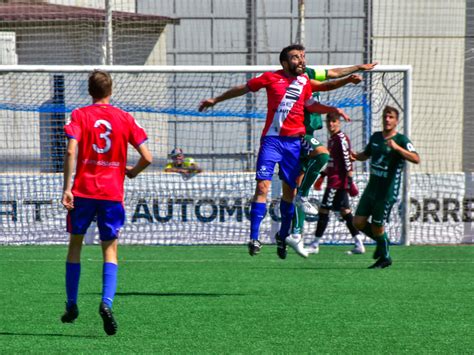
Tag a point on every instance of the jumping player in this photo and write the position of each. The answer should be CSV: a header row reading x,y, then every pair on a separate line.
x,y
289,92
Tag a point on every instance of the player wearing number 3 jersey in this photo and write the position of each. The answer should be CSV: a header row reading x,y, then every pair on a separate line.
x,y
100,134
288,92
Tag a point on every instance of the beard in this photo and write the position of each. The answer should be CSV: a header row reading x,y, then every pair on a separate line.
x,y
295,70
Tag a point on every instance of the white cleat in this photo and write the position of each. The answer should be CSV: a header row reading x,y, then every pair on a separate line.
x,y
296,242
305,205
358,249
313,248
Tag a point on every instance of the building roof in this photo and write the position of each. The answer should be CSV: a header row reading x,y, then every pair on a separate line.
x,y
38,12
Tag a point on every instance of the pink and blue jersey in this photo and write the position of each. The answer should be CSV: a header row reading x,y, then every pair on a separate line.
x,y
103,133
287,97
284,126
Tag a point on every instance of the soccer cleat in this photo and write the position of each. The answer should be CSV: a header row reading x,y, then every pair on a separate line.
x,y
358,248
313,248
72,312
296,242
381,263
281,246
254,247
110,325
305,205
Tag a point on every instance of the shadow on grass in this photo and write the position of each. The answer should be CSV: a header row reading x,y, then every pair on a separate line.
x,y
179,294
50,335
170,294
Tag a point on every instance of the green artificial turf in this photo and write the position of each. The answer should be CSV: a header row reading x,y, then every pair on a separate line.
x,y
218,299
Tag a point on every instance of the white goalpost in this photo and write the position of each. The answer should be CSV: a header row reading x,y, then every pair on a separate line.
x,y
163,208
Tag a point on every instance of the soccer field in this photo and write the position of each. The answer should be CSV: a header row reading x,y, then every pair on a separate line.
x,y
220,300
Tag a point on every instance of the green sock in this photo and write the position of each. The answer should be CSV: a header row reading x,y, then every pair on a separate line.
x,y
386,243
315,166
298,221
383,244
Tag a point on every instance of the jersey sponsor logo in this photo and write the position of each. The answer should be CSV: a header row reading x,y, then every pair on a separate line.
x,y
410,147
113,164
379,173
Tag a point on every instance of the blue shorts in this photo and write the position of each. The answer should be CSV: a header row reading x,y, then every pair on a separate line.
x,y
282,150
110,217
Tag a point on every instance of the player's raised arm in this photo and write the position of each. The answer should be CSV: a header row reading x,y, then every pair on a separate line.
x,y
313,106
343,71
334,84
229,94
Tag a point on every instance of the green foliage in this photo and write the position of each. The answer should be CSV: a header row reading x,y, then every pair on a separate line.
x,y
220,300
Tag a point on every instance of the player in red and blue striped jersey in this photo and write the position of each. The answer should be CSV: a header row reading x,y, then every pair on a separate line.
x,y
289,93
99,134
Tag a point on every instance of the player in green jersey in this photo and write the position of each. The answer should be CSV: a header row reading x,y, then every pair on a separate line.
x,y
387,151
314,154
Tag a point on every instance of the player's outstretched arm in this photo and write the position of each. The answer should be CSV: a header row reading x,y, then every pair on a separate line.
x,y
145,159
361,156
69,163
229,94
334,84
322,109
343,71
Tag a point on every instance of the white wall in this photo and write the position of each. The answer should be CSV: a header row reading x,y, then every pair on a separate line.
x,y
429,35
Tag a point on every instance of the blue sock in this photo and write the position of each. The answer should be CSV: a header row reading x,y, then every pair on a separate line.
x,y
257,213
287,211
73,273
109,283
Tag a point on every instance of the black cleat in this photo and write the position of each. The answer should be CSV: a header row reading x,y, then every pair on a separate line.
x,y
254,247
281,246
110,325
72,312
381,263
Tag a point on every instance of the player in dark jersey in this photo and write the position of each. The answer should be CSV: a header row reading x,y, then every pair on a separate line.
x,y
339,185
289,93
99,134
315,155
387,151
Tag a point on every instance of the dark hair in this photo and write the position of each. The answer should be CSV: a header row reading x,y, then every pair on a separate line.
x,y
284,52
100,84
335,115
176,151
391,109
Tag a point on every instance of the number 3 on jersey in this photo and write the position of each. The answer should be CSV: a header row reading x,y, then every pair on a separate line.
x,y
104,136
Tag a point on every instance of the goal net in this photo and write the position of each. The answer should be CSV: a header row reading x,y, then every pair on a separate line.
x,y
166,208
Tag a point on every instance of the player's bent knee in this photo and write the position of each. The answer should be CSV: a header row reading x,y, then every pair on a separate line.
x,y
359,223
319,150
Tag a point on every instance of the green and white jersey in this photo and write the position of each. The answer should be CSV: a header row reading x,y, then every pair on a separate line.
x,y
386,166
314,121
